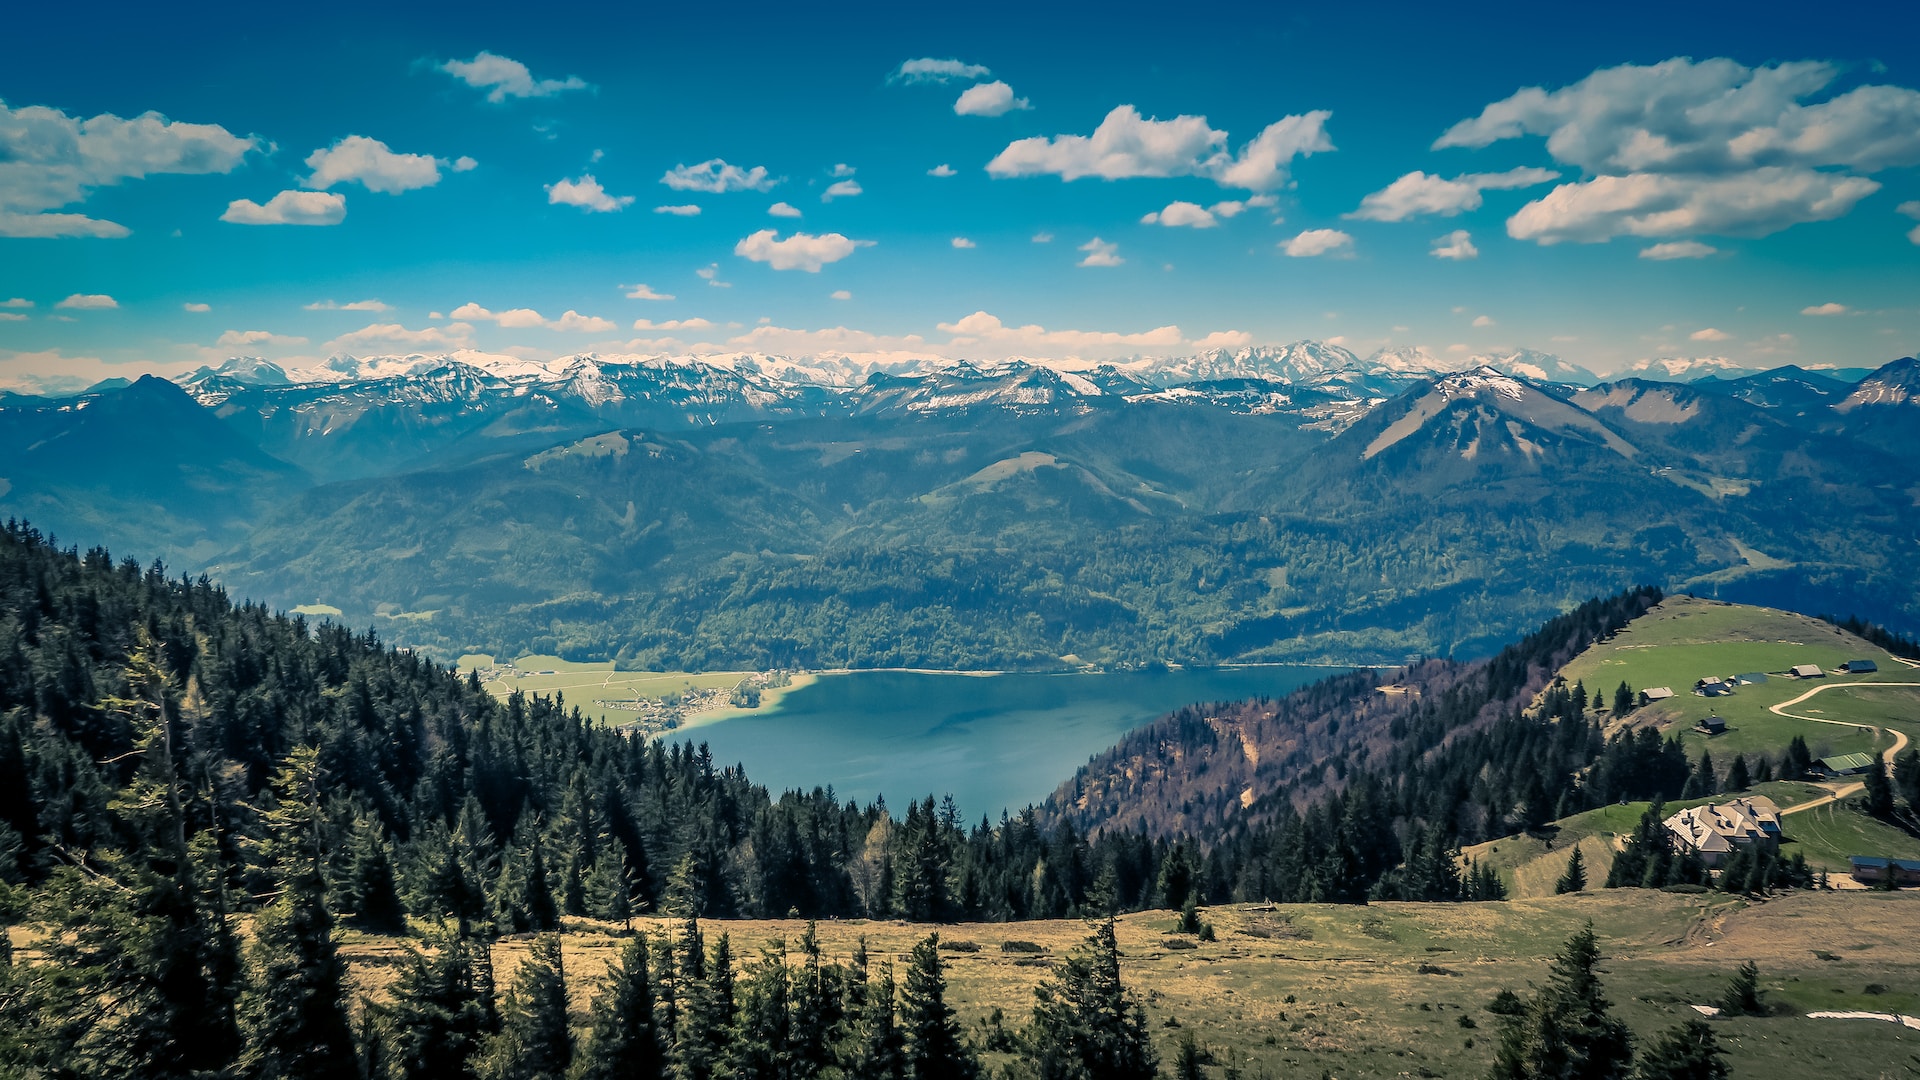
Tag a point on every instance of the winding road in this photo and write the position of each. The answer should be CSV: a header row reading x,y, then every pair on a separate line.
x,y
1842,791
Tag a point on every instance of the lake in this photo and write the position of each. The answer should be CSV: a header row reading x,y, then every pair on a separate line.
x,y
991,741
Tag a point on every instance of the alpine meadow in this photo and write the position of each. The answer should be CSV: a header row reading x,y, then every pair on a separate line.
x,y
1033,542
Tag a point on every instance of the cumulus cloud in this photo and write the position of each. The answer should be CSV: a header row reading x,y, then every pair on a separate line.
x,y
716,177
928,69
1678,249
88,302
1828,308
1043,238
290,208
196,308
1317,242
1418,193
356,305
842,189
585,193
371,164
1483,320
1128,145
1456,245
711,275
1912,210
963,242
1100,253
16,302
645,292
244,339
504,78
801,251
683,210
981,328
1709,334
1224,339
943,169
673,324
52,372
840,294
12,316
782,209
528,318
1708,146
456,335
988,99
49,160
1179,214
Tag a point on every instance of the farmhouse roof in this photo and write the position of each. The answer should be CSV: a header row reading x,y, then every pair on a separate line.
x,y
1807,671
1846,762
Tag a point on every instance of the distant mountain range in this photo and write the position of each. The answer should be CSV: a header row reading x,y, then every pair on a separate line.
x,y
1291,503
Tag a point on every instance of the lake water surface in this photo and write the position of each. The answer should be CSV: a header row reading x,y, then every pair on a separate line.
x,y
993,741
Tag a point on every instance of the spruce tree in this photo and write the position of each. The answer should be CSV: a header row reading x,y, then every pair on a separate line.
x,y
880,1050
1187,1059
625,1042
1686,1052
1743,996
1879,794
1566,1031
368,891
1906,779
1737,776
760,1047
1622,700
534,1041
1575,878
438,1014
1085,1025
934,1050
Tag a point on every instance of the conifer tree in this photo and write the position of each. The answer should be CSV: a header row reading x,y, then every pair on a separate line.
x,y
1738,778
761,1045
1686,1052
534,1041
438,1013
880,1052
815,1012
934,1050
367,889
1566,1031
625,1042
1743,996
1622,700
1575,878
1879,794
1187,1059
1085,1025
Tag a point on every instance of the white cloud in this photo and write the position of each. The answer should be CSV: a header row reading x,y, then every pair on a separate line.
x,y
1228,208
645,292
503,78
1128,145
16,302
197,309
463,163
801,251
457,335
988,99
53,372
1043,238
1912,210
928,69
1267,200
1178,213
1828,308
683,210
1418,193
1708,147
49,160
356,305
1483,320
528,318
1709,334
242,339
1317,242
840,294
88,302
981,328
12,316
782,209
1225,339
1100,253
843,189
943,169
357,158
1456,245
844,169
717,177
585,193
963,242
711,275
1678,249
673,324
290,208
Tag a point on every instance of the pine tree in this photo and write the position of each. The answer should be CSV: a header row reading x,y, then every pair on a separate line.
x,y
1743,996
880,1053
1187,1060
368,891
534,1041
438,1013
1737,777
294,1018
1566,1031
625,1043
1085,1025
1797,761
760,1047
1575,879
1879,795
934,1050
1622,700
1906,779
1686,1052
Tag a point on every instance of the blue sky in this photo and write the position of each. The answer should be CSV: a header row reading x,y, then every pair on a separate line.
x,y
1740,181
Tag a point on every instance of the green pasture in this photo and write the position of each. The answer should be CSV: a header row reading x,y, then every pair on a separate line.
x,y
583,684
1827,835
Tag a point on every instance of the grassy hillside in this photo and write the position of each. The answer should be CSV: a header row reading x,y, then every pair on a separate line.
x,y
1685,639
1392,990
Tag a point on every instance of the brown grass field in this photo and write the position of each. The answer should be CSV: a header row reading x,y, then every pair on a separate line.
x,y
1392,990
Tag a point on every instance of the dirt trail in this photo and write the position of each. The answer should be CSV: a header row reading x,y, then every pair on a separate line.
x,y
1843,790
